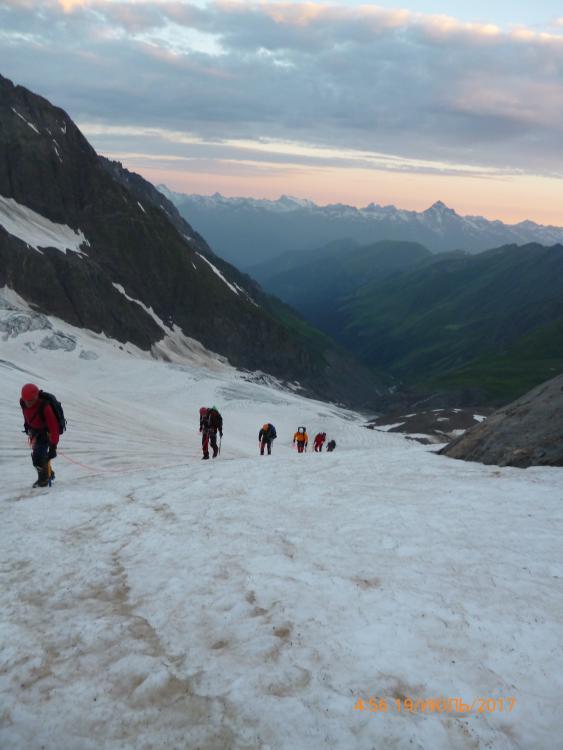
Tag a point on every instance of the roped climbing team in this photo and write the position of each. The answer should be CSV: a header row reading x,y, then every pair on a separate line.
x,y
44,422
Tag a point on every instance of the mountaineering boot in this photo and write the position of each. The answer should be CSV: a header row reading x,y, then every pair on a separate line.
x,y
42,476
203,458
40,481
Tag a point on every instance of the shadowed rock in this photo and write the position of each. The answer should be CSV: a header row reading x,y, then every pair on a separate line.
x,y
527,432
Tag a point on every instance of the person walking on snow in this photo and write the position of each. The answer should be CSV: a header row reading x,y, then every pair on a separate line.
x,y
318,443
301,438
42,427
331,446
266,437
210,423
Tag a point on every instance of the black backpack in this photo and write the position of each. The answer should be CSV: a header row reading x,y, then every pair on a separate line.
x,y
214,419
48,398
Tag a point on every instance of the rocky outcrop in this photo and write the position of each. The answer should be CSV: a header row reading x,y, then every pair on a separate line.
x,y
527,432
431,425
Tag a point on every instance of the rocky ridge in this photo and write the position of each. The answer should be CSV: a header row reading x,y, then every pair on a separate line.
x,y
527,432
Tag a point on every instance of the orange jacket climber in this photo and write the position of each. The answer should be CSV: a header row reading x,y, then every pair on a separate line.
x,y
301,438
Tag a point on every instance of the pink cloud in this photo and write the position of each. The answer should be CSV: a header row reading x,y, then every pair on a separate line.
x,y
308,13
70,5
295,15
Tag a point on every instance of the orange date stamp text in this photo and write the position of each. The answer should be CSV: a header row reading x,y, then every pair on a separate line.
x,y
442,705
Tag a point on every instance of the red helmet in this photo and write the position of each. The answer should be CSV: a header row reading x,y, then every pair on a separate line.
x,y
30,392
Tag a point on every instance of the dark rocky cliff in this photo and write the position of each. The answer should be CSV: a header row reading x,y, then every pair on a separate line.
x,y
137,242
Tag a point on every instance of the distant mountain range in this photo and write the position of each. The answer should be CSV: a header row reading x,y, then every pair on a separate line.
x,y
317,282
484,327
83,239
491,322
247,231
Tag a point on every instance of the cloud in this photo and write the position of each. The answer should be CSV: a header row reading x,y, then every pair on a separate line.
x,y
168,146
69,5
429,88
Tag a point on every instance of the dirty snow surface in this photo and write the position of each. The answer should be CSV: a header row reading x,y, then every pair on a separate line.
x,y
151,600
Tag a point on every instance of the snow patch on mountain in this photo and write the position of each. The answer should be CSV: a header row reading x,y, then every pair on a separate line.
x,y
180,349
27,122
218,273
56,149
37,231
246,294
175,346
148,310
11,300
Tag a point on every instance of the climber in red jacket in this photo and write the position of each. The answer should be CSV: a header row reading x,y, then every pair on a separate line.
x,y
320,438
42,427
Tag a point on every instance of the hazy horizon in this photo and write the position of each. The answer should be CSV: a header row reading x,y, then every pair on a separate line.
x,y
279,196
339,102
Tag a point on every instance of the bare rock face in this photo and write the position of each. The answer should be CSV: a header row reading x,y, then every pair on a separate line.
x,y
431,425
527,432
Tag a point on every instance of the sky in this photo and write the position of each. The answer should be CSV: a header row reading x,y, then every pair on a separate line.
x,y
336,102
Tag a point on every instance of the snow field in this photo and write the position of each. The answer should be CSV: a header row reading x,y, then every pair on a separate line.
x,y
151,600
36,230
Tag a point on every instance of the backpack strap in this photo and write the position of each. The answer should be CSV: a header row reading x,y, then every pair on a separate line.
x,y
41,411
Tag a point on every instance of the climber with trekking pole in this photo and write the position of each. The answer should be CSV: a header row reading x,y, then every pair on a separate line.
x,y
210,423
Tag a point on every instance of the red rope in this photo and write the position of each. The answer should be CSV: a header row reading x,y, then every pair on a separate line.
x,y
114,471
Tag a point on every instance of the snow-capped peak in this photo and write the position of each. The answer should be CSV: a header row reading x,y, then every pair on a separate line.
x,y
173,197
439,226
439,207
290,200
